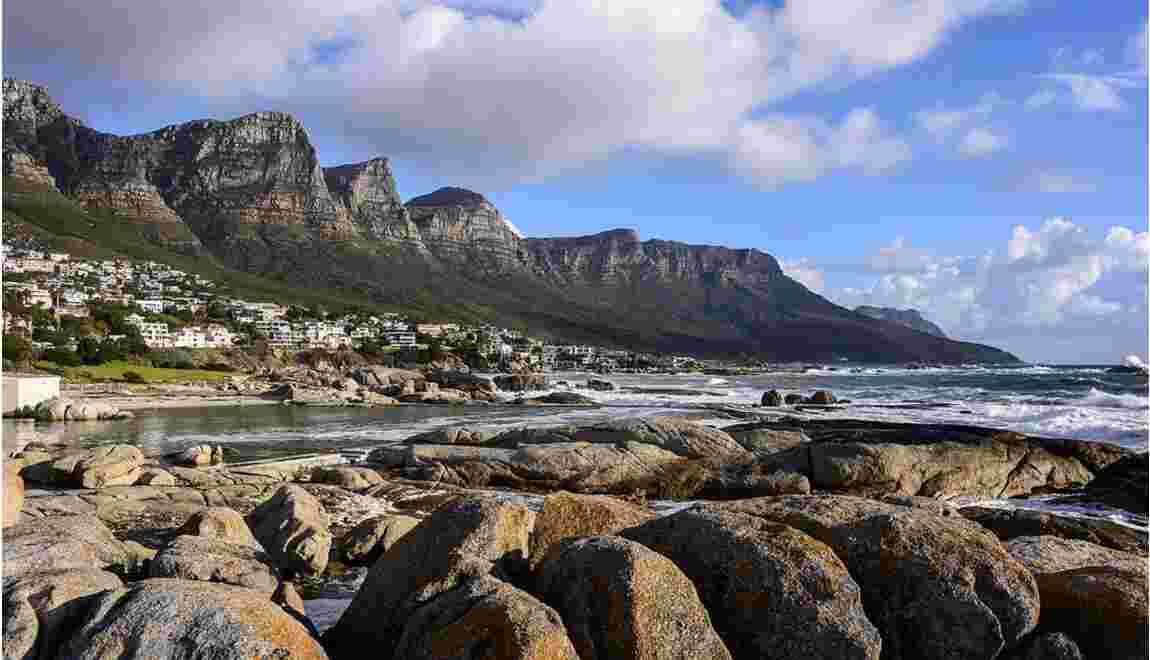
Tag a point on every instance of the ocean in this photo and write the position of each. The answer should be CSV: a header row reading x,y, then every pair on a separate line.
x,y
1081,402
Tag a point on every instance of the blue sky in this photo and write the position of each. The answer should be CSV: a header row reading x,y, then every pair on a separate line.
x,y
981,160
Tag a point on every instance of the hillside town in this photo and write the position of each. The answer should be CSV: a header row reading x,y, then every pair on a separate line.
x,y
55,301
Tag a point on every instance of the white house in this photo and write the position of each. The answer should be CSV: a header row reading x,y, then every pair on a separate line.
x,y
153,305
405,339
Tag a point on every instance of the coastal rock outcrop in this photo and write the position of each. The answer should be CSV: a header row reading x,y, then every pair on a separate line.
x,y
294,528
367,541
1103,608
13,494
460,544
772,591
215,560
1051,554
956,592
621,599
40,606
99,467
567,515
189,620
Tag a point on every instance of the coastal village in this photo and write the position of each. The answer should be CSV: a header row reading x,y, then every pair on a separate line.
x,y
57,302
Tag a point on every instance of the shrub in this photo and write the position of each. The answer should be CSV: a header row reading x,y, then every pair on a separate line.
x,y
218,366
132,377
176,358
63,357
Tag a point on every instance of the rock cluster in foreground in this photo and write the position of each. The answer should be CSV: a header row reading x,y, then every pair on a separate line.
x,y
206,563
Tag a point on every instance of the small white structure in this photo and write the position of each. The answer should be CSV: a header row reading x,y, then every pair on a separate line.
x,y
20,391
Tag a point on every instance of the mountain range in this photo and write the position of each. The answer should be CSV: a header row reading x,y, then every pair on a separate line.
x,y
251,193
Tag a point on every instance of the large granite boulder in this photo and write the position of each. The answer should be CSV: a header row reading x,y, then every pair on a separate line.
x,y
455,435
1103,608
189,620
620,599
1013,523
521,382
993,468
98,467
294,529
1122,485
484,619
1052,554
198,456
215,560
1045,646
220,523
460,542
345,476
62,542
754,436
935,586
559,399
566,515
462,381
679,436
60,409
13,494
772,590
39,606
367,541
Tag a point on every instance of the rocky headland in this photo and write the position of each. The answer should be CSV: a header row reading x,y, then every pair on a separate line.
x,y
791,538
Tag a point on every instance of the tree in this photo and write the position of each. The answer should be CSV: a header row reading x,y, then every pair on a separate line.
x,y
17,349
89,350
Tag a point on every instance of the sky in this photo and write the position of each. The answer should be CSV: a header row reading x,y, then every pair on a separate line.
x,y
982,161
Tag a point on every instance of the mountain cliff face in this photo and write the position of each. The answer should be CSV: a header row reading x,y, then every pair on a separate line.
x,y
368,194
251,192
911,318
461,227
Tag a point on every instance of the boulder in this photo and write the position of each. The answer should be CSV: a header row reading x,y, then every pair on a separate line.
x,y
189,620
351,478
59,409
460,541
1013,523
1045,646
484,619
1051,554
991,468
108,465
13,494
368,540
215,560
935,586
456,435
620,599
822,398
62,542
772,591
293,527
682,437
521,382
559,399
763,438
461,380
155,477
1103,608
771,399
600,385
38,607
1121,485
565,516
376,376
197,456
792,399
220,523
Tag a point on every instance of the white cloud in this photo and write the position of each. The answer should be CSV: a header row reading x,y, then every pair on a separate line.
x,y
514,91
1086,92
1042,98
1046,284
804,272
781,148
1138,49
980,142
979,136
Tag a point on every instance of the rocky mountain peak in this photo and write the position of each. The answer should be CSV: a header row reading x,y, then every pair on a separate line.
x,y
450,196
